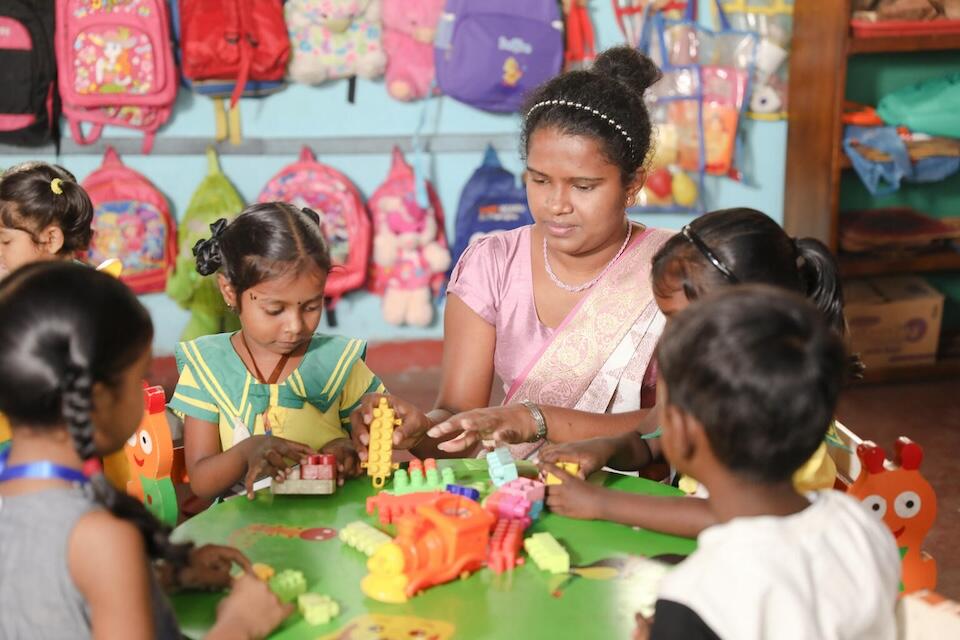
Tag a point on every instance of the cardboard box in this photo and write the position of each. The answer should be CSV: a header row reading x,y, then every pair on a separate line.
x,y
894,322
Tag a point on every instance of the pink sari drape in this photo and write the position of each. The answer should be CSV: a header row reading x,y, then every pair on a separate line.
x,y
597,358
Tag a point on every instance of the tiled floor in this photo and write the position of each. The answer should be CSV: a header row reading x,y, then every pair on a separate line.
x,y
929,413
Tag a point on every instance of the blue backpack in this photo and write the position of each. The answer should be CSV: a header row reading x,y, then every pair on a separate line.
x,y
491,53
491,201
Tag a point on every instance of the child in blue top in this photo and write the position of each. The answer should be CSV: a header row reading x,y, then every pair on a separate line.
x,y
256,401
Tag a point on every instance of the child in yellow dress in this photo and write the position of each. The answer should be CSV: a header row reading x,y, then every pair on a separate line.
x,y
256,401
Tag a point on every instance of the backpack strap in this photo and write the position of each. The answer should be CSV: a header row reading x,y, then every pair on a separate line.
x,y
76,130
246,43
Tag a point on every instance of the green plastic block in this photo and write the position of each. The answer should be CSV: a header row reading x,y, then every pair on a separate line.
x,y
317,609
288,584
547,553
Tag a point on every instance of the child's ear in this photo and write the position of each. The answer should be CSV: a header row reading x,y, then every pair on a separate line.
x,y
680,435
227,291
633,189
51,239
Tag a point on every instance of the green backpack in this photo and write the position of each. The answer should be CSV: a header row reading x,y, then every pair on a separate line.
x,y
215,198
928,107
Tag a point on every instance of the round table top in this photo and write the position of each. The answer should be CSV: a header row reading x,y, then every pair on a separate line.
x,y
597,599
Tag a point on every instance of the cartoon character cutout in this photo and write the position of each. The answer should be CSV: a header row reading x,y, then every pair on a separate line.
x,y
511,72
113,71
899,495
149,454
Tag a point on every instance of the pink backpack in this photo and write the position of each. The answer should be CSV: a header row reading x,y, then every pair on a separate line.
x,y
410,254
409,27
116,65
343,217
131,222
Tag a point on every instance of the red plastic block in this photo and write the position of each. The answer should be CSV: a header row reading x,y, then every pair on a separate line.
x,y
505,544
391,507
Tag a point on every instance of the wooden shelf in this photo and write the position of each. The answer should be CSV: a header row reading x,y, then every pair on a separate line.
x,y
904,43
949,368
856,266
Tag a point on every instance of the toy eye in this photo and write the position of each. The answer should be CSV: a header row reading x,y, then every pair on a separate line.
x,y
876,504
907,504
146,442
132,440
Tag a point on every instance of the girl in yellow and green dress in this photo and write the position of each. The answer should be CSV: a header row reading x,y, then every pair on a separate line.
x,y
256,401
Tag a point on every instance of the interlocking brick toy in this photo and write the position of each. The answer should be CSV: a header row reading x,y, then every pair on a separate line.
x,y
422,476
362,537
288,584
317,609
502,467
505,543
317,475
391,507
379,463
466,492
573,468
547,553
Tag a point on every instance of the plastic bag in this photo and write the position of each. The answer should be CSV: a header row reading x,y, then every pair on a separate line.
x,y
928,107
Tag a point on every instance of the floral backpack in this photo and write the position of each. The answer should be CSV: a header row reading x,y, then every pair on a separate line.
x,y
410,254
115,65
343,217
332,39
132,223
409,27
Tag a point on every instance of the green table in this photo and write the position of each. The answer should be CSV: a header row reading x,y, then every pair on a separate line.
x,y
299,532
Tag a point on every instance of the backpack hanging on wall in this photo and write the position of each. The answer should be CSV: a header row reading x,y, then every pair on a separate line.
x,y
343,217
333,39
115,66
580,48
214,198
409,27
131,222
491,53
491,201
229,49
410,254
29,102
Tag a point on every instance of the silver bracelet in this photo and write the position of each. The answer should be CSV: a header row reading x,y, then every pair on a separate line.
x,y
539,419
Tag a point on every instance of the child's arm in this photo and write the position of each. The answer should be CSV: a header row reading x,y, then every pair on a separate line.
x,y
213,471
250,611
679,516
108,563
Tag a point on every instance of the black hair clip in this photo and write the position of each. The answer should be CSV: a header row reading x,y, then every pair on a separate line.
x,y
313,215
702,247
217,228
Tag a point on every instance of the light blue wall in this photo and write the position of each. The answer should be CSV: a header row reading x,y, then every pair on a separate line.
x,y
309,112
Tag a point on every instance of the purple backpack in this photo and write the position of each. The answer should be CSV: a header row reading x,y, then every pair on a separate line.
x,y
491,53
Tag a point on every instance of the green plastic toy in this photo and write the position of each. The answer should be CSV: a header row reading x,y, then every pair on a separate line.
x,y
288,584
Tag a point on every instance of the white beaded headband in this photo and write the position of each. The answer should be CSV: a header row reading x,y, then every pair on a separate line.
x,y
588,108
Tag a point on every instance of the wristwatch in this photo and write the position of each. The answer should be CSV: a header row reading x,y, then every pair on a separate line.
x,y
539,419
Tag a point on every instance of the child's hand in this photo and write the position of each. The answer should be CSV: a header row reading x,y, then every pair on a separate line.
x,y
592,455
269,456
511,424
348,460
574,498
406,436
642,632
210,566
250,611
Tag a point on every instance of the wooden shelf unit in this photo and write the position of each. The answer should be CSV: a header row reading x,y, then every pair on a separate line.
x,y
822,44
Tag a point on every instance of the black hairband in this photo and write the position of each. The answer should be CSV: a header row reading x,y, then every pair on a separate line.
x,y
702,247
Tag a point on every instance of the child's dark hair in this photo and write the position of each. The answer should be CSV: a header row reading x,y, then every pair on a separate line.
x,y
754,249
605,103
266,241
761,369
35,195
63,328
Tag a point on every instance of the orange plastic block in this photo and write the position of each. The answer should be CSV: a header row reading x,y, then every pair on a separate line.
x,y
379,463
505,544
443,540
899,495
392,507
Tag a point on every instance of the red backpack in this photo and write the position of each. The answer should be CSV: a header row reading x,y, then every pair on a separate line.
x,y
237,40
131,222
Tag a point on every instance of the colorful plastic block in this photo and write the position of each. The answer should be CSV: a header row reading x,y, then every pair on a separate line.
x,y
379,463
547,553
391,507
422,476
319,467
573,468
288,584
507,505
364,538
295,485
531,490
536,509
263,571
317,609
501,465
466,492
505,543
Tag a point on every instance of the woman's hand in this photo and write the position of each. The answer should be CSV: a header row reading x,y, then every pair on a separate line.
x,y
348,460
511,424
209,567
574,497
592,455
413,428
269,456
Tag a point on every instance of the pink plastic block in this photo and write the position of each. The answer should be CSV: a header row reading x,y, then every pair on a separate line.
x,y
530,490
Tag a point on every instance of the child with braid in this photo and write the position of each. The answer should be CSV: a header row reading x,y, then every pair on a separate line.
x,y
75,557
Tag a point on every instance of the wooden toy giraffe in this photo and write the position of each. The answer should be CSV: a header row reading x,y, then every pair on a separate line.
x,y
903,498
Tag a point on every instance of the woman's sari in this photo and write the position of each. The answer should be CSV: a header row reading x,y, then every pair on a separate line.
x,y
599,358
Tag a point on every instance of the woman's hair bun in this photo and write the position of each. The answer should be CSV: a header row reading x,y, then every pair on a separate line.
x,y
628,66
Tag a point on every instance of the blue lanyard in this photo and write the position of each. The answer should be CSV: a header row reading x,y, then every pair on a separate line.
x,y
41,469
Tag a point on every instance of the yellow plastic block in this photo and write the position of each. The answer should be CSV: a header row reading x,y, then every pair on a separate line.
x,y
316,608
379,464
362,537
573,468
263,571
547,553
